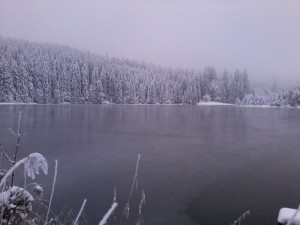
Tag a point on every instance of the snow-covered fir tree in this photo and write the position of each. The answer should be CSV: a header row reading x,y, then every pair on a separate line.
x,y
45,73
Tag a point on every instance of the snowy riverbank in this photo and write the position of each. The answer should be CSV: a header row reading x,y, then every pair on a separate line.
x,y
163,104
214,103
18,103
270,107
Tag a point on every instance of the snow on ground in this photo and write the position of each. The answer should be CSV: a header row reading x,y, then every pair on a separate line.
x,y
269,106
199,104
155,104
17,103
262,106
212,103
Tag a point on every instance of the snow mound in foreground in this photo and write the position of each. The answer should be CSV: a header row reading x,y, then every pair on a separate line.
x,y
285,214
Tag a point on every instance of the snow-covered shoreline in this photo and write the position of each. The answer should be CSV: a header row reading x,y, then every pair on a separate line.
x,y
270,107
163,104
266,106
214,104
19,103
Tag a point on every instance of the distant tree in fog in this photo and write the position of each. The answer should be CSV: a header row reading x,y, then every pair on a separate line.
x,y
274,98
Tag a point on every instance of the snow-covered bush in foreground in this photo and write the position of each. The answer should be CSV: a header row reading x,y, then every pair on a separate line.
x,y
17,203
32,164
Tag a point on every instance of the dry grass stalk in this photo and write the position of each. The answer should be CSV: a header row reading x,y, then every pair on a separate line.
x,y
16,202
242,217
134,182
18,137
80,212
109,212
52,191
141,204
32,164
125,214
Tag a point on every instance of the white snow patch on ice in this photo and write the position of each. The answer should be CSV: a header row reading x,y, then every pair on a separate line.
x,y
17,103
261,106
213,103
155,104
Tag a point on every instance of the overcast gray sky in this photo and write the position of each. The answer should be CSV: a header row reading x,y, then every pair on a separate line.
x,y
260,36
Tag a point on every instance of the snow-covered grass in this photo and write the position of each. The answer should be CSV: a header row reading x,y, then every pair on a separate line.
x,y
109,212
239,220
17,204
16,207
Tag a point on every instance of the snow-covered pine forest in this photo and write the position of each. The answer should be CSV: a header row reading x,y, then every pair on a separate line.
x,y
47,73
274,97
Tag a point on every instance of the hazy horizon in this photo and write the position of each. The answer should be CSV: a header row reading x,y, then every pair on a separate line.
x,y
262,37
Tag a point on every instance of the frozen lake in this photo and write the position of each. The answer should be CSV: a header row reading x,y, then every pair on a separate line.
x,y
208,163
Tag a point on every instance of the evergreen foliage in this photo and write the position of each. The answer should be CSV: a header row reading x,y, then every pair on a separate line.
x,y
276,97
45,73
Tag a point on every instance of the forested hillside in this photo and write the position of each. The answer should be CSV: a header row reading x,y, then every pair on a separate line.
x,y
275,97
44,73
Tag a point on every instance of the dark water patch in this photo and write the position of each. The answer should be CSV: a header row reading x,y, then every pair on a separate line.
x,y
262,187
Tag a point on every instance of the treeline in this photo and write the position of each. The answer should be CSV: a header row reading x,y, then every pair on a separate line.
x,y
44,73
274,97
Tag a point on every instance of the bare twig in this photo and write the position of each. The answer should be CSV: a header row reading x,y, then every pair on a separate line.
x,y
80,211
37,215
51,197
109,212
53,214
135,177
142,203
125,214
1,156
13,133
242,217
9,159
18,136
115,194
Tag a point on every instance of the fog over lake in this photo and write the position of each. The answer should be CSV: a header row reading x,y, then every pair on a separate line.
x,y
260,36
